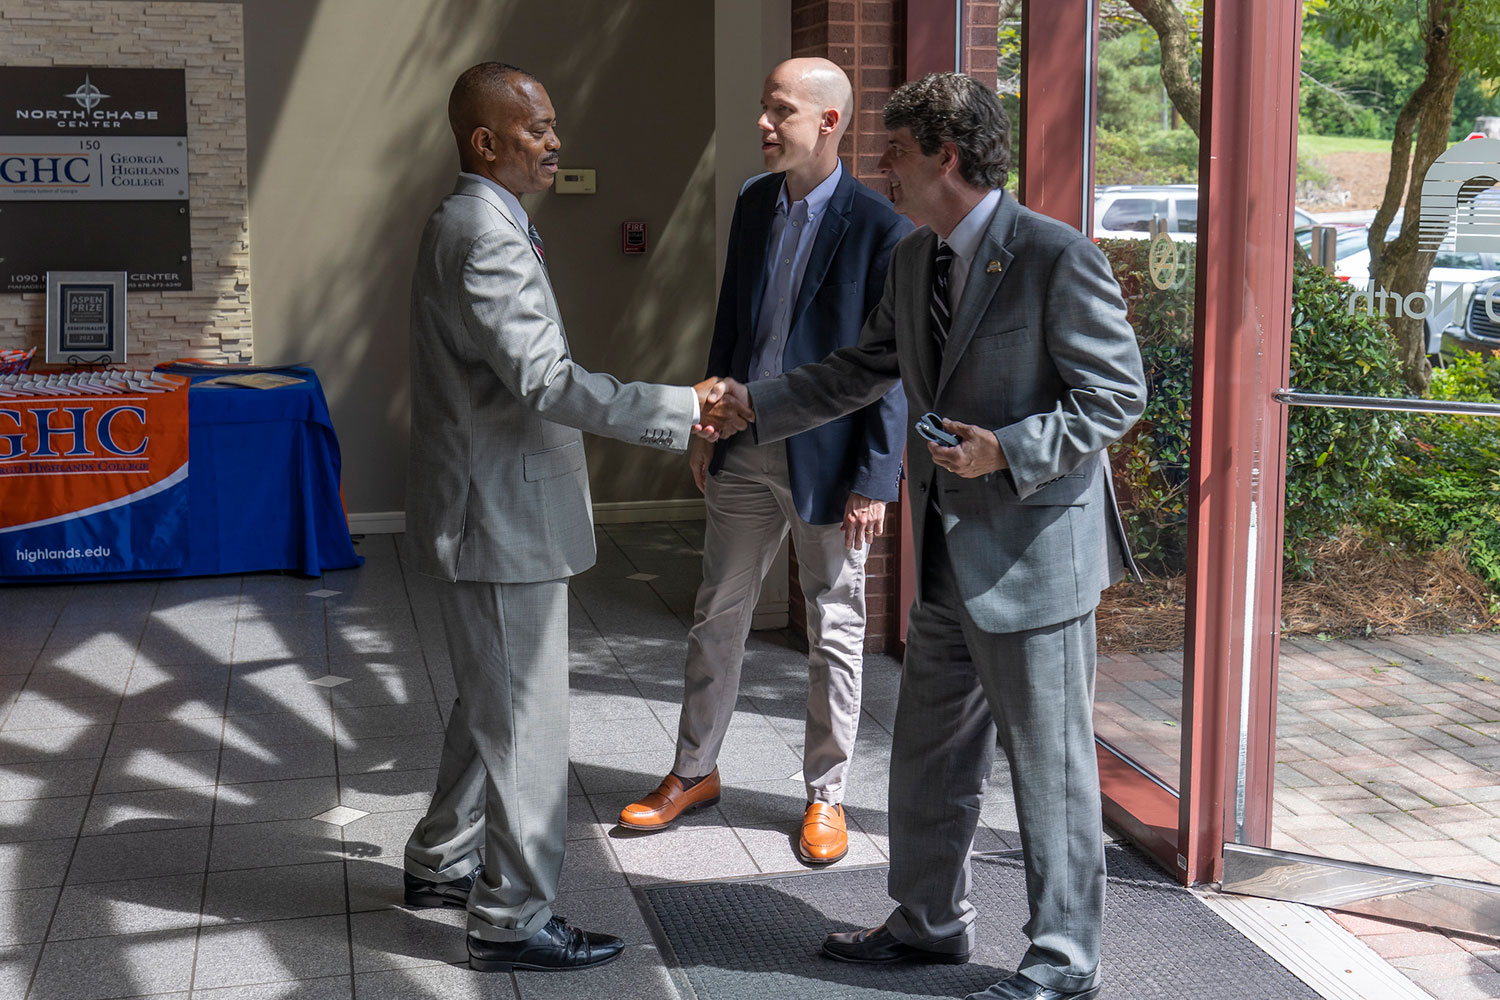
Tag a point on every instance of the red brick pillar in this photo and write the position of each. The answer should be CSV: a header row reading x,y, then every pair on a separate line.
x,y
866,38
981,23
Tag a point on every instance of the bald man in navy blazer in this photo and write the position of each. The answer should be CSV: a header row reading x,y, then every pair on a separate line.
x,y
808,251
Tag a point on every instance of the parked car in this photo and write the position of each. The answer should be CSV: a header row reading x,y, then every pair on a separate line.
x,y
1125,211
1475,329
1450,272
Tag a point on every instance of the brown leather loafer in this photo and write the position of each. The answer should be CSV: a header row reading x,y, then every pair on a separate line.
x,y
661,808
824,838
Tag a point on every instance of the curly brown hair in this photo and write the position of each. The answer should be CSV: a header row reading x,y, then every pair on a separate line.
x,y
952,107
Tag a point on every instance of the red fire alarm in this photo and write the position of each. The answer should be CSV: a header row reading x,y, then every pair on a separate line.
x,y
632,237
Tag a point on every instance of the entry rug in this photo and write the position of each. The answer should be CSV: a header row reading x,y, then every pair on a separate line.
x,y
759,939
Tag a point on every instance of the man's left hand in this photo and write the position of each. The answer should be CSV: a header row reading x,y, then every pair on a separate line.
x,y
978,452
863,519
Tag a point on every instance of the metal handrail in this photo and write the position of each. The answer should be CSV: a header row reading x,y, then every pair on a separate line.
x,y
1292,397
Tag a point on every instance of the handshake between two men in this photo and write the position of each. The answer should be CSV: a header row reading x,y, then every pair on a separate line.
x,y
723,408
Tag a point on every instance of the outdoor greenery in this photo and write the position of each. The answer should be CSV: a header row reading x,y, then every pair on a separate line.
x,y
1422,483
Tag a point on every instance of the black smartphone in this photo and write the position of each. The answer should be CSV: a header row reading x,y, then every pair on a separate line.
x,y
930,426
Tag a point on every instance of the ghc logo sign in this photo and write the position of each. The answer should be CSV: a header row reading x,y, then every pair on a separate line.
x,y
46,171
76,431
1458,209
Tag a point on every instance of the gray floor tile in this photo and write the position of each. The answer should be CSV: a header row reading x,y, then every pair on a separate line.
x,y
290,760
299,698
271,729
131,906
375,632
17,962
155,809
431,982
87,647
381,835
142,769
56,713
613,911
41,819
402,939
187,599
638,974
65,743
267,801
271,951
197,640
416,751
279,637
622,772
266,845
381,682
288,891
114,967
174,704
676,854
24,914
591,864
58,685
582,823
144,854
34,864
387,720
96,604
47,779
387,791
374,883
164,676
332,988
154,737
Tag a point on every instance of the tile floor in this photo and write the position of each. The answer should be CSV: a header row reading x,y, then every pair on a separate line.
x,y
205,784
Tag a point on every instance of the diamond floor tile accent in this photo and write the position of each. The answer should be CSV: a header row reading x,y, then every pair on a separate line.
x,y
325,592
340,815
330,680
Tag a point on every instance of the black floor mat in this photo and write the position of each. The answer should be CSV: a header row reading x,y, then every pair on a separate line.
x,y
758,939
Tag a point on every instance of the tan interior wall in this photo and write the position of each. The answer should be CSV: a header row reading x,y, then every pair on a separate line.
x,y
349,152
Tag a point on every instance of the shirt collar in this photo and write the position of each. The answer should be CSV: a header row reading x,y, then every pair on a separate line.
x,y
964,240
511,201
817,199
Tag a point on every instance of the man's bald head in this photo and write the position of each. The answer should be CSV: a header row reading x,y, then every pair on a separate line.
x,y
806,106
503,122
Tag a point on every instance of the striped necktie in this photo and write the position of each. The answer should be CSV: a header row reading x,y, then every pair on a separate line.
x,y
937,306
536,242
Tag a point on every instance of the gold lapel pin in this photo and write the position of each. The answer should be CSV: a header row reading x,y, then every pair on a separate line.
x,y
994,267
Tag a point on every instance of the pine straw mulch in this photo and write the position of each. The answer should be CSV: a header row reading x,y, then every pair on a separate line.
x,y
1359,589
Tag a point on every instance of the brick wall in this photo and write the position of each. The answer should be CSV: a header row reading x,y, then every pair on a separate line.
x,y
866,38
981,22
205,39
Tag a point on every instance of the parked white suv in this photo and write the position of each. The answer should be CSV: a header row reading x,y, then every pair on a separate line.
x,y
1125,211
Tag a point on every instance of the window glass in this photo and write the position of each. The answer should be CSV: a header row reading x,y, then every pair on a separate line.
x,y
1133,215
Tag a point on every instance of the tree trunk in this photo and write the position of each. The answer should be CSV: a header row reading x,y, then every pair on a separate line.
x,y
1398,266
1176,56
1008,9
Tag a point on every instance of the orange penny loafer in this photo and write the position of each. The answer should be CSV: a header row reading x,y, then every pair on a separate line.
x,y
824,838
661,808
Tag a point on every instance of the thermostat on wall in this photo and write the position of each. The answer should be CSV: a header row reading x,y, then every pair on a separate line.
x,y
570,181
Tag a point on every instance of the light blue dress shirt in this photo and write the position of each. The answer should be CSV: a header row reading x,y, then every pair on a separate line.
x,y
794,228
964,242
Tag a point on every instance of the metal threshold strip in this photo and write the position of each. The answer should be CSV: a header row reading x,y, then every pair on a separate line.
x,y
1451,904
1292,397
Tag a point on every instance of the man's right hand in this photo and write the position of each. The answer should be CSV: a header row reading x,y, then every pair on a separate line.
x,y
723,408
700,454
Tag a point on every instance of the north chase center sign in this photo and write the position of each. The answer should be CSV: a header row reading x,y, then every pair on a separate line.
x,y
93,175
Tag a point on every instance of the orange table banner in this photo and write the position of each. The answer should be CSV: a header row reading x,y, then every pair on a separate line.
x,y
93,473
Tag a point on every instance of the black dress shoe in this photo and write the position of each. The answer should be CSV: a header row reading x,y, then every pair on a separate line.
x,y
558,945
1018,987
878,946
420,892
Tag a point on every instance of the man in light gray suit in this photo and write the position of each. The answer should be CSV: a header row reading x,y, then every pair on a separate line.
x,y
498,508
1010,325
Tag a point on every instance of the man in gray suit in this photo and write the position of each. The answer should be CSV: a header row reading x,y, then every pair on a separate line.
x,y
1010,325
498,509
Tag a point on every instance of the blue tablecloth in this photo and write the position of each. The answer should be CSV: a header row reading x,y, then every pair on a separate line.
x,y
263,484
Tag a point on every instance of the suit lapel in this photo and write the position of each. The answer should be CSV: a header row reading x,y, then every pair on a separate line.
x,y
921,316
830,233
987,272
756,223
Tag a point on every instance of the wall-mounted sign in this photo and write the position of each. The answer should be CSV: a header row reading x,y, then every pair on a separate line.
x,y
85,317
94,175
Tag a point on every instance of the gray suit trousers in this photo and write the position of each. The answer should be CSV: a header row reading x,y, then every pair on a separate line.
x,y
503,779
960,688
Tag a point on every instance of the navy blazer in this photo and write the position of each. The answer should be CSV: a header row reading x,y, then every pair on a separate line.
x,y
845,277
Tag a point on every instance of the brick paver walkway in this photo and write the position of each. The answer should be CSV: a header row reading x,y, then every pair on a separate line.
x,y
1387,752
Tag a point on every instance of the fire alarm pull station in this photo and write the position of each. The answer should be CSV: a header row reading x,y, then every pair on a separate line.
x,y
633,237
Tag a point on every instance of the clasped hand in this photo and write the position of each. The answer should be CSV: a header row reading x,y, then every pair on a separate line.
x,y
723,408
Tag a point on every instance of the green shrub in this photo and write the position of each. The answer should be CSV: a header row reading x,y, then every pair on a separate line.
x,y
1146,156
1337,460
1445,489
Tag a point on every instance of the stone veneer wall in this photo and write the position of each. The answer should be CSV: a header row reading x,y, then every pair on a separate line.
x,y
207,40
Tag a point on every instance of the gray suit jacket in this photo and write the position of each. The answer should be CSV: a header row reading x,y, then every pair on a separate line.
x,y
497,487
1041,353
